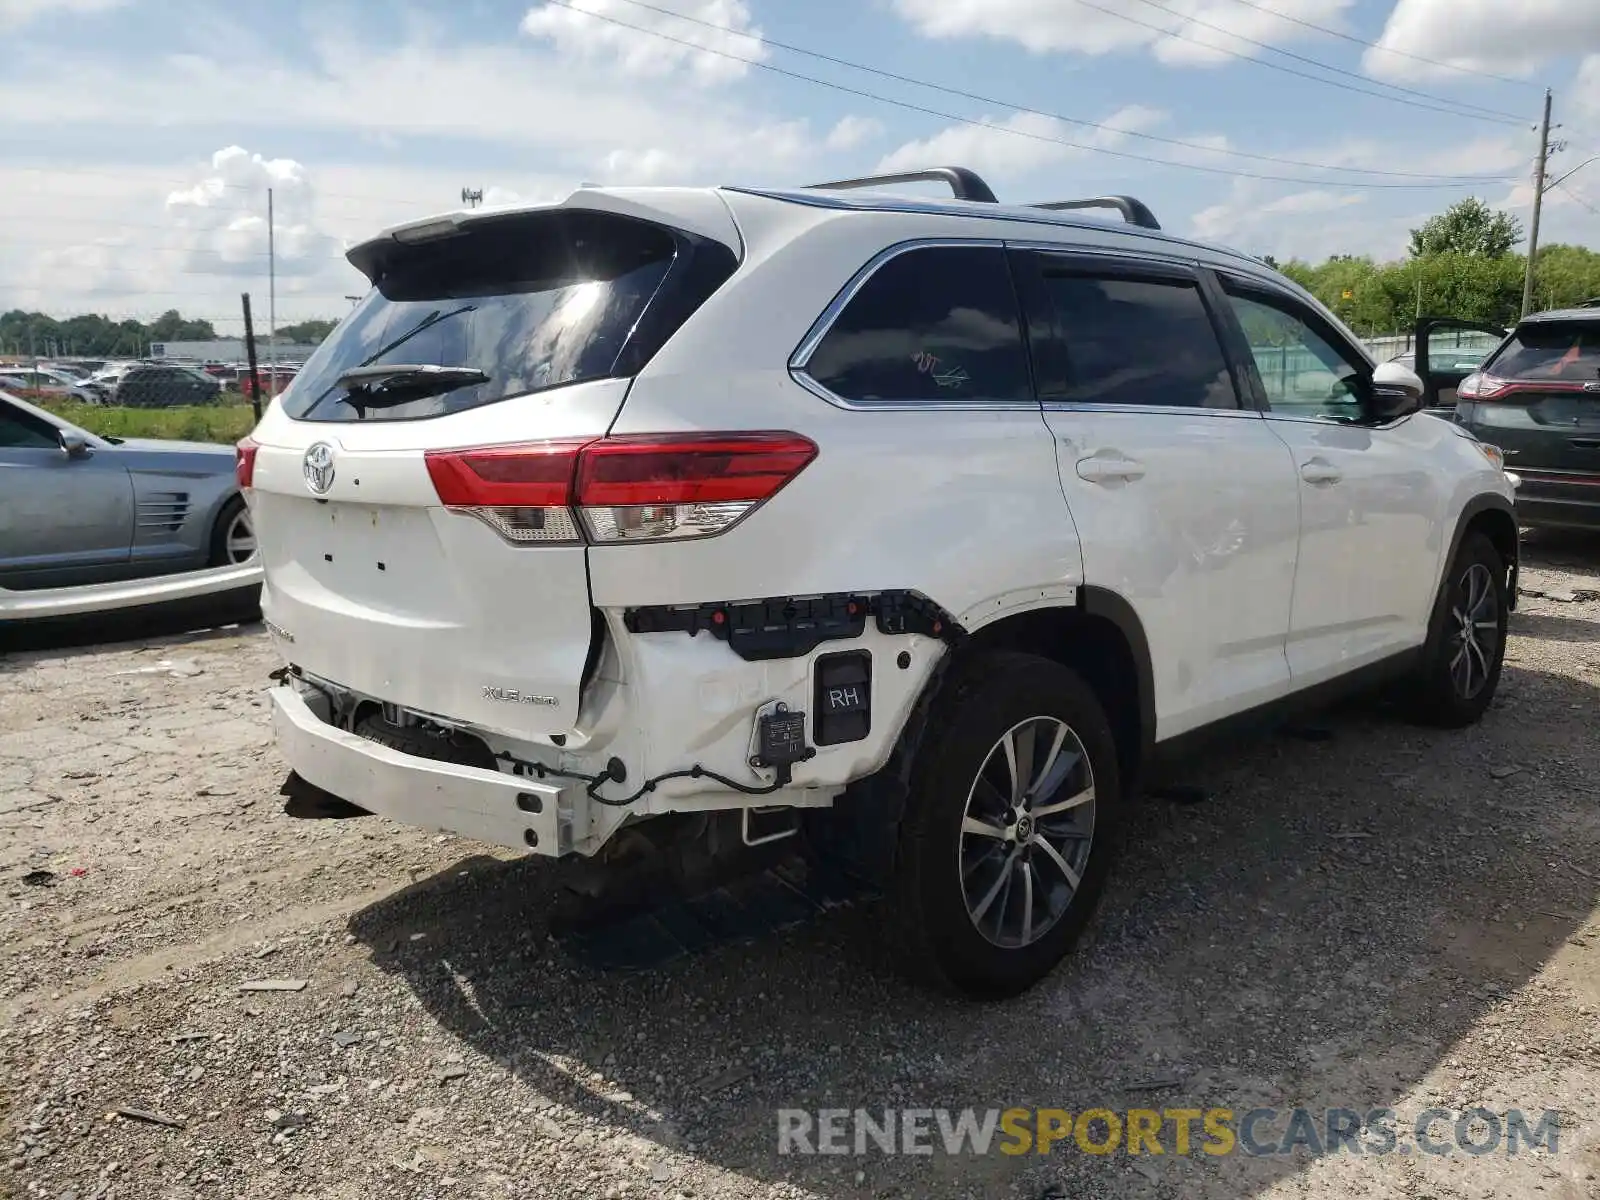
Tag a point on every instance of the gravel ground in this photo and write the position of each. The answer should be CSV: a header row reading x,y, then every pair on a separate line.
x,y
1376,917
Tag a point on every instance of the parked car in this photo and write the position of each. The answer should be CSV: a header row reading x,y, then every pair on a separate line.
x,y
1537,396
927,529
156,385
79,509
1448,363
44,380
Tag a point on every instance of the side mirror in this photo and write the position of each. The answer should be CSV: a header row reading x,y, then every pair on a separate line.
x,y
1396,391
74,445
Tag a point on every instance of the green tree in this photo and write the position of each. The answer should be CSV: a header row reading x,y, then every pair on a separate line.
x,y
1467,227
306,333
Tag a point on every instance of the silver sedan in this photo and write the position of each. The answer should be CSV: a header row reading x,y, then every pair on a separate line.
x,y
79,509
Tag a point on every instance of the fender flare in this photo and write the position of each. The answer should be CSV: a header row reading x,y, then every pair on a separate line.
x,y
1473,508
1102,602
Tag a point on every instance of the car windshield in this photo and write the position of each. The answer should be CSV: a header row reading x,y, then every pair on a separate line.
x,y
1564,350
533,302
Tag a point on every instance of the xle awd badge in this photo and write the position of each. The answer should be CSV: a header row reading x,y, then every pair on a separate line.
x,y
318,468
512,696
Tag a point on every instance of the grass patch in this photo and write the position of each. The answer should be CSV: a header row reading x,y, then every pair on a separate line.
x,y
224,423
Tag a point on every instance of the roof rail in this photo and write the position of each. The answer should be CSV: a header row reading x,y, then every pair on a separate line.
x,y
964,184
1135,212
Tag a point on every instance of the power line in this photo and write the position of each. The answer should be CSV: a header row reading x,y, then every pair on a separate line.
x,y
1349,37
982,99
1574,194
989,125
1457,110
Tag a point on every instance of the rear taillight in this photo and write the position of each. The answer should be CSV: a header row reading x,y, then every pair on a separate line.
x,y
631,488
244,463
1479,386
524,491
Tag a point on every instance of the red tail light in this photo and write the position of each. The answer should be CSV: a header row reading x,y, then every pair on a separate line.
x,y
534,475
631,488
244,462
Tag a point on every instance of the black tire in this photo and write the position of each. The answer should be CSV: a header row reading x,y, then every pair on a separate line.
x,y
931,918
1437,695
218,554
455,748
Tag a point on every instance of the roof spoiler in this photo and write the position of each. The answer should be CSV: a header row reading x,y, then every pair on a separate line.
x,y
967,184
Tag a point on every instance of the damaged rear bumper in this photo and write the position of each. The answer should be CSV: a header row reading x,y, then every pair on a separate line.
x,y
491,806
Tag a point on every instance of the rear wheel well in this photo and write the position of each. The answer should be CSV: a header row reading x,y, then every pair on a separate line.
x,y
1096,647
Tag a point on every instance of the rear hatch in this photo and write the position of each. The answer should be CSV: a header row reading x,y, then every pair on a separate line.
x,y
515,330
1539,400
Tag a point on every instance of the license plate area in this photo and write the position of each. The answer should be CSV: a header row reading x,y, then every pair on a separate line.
x,y
382,557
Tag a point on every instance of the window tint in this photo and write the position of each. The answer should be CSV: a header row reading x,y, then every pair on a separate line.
x,y
939,323
534,301
18,430
1136,341
1300,371
1565,350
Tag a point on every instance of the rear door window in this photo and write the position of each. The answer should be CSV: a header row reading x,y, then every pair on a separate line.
x,y
534,301
1131,339
1565,351
935,324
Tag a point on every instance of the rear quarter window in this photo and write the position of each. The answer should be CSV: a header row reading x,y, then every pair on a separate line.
x,y
936,323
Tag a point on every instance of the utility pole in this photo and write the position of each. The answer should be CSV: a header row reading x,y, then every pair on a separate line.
x,y
1538,205
272,301
472,197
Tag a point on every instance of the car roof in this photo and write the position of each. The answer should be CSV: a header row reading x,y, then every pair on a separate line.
x,y
688,209
1563,314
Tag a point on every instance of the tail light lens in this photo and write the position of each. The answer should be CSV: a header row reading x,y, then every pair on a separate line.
x,y
244,463
651,488
622,489
523,491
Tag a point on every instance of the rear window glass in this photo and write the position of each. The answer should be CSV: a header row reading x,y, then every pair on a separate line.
x,y
533,302
1551,350
939,323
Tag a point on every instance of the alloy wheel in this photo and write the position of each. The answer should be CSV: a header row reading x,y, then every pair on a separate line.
x,y
1026,832
1475,632
239,541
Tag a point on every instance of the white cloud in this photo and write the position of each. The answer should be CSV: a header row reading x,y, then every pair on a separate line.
x,y
1050,25
506,96
1482,35
140,240
1018,145
851,133
223,225
1259,218
590,29
16,13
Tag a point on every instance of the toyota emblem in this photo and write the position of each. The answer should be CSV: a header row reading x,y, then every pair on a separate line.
x,y
318,468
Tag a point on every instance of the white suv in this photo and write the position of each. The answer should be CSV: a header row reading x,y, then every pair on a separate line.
x,y
661,511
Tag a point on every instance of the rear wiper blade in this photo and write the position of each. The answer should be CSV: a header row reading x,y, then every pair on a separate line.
x,y
395,383
427,322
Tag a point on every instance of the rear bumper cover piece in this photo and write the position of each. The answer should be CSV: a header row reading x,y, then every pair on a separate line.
x,y
491,806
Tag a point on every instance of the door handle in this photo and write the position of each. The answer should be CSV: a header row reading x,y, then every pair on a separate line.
x,y
1320,470
1105,470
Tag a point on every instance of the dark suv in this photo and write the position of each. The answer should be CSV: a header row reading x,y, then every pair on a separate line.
x,y
153,385
1537,397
